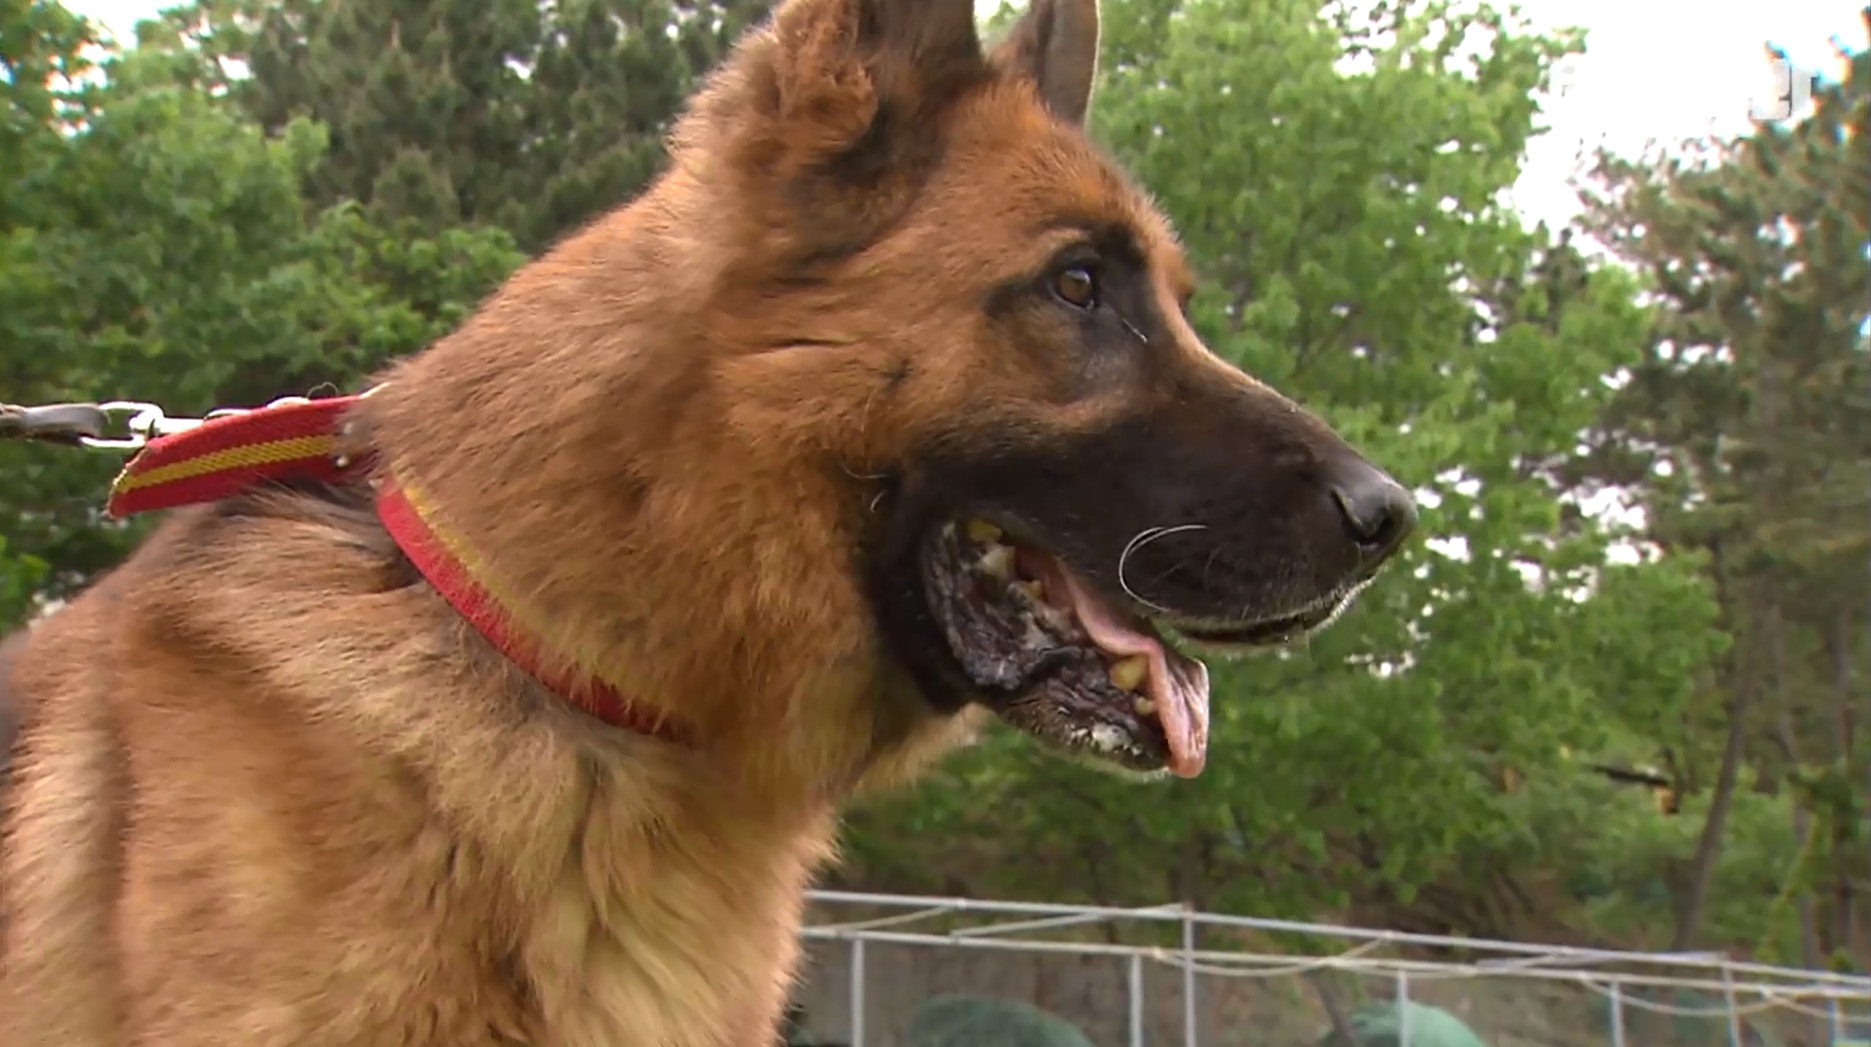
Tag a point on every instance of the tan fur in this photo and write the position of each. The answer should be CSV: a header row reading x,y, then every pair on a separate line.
x,y
269,789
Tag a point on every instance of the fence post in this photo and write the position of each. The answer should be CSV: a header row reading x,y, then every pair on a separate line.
x,y
1403,1009
1617,1013
857,992
1735,1038
1136,1000
1838,1021
1189,1038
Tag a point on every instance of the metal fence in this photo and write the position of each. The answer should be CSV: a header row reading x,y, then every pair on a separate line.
x,y
877,966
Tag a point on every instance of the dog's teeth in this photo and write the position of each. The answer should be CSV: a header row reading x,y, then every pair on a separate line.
x,y
983,532
1106,738
998,561
1128,674
1145,707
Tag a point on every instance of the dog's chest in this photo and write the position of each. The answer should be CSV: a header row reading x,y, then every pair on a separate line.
x,y
687,942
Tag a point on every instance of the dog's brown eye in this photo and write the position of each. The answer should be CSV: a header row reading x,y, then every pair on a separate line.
x,y
1077,286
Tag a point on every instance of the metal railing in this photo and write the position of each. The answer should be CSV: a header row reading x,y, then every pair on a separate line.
x,y
1170,976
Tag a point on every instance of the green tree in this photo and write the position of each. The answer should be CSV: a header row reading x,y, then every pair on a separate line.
x,y
1745,428
41,62
154,245
1337,180
531,117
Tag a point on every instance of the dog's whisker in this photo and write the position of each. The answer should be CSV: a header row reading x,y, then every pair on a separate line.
x,y
853,474
1132,328
1143,538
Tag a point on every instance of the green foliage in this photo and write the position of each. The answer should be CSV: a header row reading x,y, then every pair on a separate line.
x,y
20,578
154,244
41,60
1744,429
530,117
967,1021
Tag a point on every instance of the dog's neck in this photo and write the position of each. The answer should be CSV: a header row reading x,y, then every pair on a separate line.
x,y
452,570
675,556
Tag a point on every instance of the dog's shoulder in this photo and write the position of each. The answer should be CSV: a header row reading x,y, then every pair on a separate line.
x,y
220,754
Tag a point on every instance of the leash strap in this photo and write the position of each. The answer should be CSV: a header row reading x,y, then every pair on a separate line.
x,y
230,453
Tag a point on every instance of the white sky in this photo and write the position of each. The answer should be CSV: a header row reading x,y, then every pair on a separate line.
x,y
1667,70
1655,70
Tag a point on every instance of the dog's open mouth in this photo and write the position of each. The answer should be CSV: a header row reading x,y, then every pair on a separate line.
x,y
1075,668
1058,660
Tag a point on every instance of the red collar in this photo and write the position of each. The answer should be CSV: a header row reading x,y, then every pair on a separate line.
x,y
298,440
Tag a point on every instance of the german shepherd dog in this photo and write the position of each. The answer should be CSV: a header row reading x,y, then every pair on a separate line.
x,y
876,415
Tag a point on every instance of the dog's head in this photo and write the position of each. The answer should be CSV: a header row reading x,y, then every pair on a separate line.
x,y
1070,472
898,333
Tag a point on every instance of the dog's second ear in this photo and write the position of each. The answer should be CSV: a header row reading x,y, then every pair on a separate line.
x,y
1055,45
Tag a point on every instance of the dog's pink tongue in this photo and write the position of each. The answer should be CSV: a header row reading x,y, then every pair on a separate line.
x,y
1177,686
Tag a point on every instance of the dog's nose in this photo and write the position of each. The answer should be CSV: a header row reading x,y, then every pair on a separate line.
x,y
1378,513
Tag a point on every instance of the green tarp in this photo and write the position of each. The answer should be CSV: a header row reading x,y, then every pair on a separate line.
x,y
964,1021
1381,1025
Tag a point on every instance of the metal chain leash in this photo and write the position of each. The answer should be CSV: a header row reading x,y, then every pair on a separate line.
x,y
118,425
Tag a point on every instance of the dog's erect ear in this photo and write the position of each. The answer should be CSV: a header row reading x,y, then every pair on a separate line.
x,y
835,107
1055,45
848,73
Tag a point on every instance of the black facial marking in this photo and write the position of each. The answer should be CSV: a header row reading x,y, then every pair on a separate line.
x,y
1256,548
1150,485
